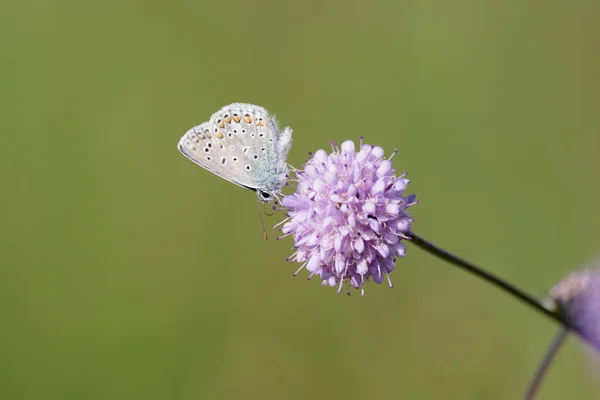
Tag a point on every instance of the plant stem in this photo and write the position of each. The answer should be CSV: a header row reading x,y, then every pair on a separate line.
x,y
540,373
494,280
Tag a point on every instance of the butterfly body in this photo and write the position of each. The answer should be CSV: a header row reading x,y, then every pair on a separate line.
x,y
241,143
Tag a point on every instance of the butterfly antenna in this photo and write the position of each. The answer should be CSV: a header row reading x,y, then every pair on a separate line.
x,y
261,218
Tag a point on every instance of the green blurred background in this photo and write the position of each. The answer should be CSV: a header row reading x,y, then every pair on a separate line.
x,y
127,272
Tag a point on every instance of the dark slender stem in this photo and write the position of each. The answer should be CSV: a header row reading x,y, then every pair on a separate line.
x,y
540,373
494,280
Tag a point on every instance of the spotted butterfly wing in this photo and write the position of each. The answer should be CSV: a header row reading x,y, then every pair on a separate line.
x,y
241,143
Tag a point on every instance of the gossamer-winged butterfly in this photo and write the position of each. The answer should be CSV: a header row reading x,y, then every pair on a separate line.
x,y
242,143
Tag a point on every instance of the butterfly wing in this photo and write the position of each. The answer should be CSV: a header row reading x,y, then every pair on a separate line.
x,y
242,144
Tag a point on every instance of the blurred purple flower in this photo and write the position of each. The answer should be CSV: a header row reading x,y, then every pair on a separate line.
x,y
578,299
348,216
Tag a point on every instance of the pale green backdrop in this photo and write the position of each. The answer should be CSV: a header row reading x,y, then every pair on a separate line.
x,y
127,272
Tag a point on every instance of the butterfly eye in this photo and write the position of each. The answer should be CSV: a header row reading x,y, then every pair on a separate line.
x,y
264,196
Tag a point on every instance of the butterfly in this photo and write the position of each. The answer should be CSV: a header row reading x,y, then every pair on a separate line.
x,y
243,144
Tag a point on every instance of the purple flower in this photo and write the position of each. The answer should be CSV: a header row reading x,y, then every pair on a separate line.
x,y
578,299
348,216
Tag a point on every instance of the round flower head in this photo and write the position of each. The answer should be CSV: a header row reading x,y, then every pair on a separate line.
x,y
348,216
578,298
